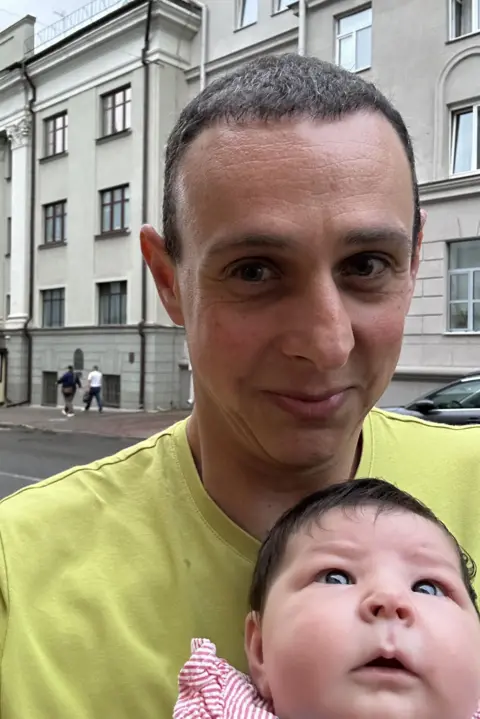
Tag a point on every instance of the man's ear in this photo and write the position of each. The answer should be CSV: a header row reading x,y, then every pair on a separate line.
x,y
418,247
254,652
163,272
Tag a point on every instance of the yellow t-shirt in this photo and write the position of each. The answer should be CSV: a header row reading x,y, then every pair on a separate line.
x,y
108,571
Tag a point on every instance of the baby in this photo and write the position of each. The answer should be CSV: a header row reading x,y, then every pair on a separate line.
x,y
362,607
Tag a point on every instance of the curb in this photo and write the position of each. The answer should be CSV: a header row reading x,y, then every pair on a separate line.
x,y
48,430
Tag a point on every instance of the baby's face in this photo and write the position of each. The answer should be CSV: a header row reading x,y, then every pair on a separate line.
x,y
369,619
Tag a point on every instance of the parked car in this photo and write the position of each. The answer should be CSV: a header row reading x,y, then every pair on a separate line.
x,y
456,403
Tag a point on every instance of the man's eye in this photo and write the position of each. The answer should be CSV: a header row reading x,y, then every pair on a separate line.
x,y
365,265
254,272
335,576
426,586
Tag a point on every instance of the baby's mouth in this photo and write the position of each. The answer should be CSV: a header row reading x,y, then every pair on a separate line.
x,y
386,663
387,666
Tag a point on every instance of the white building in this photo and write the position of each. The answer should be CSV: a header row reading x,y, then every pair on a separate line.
x,y
85,110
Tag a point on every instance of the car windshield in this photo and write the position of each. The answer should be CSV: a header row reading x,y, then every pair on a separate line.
x,y
465,394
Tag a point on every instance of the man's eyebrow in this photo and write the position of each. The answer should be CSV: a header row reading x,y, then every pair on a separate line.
x,y
359,237
250,241
362,236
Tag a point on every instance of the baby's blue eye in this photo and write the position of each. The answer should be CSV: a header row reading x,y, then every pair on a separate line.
x,y
425,586
335,576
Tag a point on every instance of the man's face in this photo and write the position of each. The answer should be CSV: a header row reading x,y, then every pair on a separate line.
x,y
295,278
369,618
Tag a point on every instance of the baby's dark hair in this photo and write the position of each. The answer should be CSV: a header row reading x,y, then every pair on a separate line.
x,y
347,495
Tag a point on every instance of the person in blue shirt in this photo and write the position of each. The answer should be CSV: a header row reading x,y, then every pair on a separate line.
x,y
69,382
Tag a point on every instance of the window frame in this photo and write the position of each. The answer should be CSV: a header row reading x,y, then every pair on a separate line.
x,y
240,12
123,285
470,301
475,151
52,299
475,10
105,111
50,131
276,9
339,37
62,215
124,205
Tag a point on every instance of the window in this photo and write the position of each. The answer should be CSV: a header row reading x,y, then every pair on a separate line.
x,y
111,390
465,140
9,237
116,111
247,12
55,222
279,5
464,393
464,286
464,17
8,305
115,205
112,303
56,131
354,41
53,308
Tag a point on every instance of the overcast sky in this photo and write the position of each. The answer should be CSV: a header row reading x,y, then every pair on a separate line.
x,y
43,10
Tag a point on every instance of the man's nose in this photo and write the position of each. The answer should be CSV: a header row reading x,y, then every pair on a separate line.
x,y
320,327
392,605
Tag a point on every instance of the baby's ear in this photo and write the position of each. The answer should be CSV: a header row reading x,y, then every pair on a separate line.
x,y
254,652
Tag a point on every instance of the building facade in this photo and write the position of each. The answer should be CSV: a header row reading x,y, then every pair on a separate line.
x,y
78,111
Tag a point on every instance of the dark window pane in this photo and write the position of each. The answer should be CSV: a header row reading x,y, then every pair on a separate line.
x,y
476,316
49,229
106,218
459,287
458,316
117,216
464,255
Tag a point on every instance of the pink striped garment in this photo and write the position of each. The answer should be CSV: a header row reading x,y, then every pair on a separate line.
x,y
209,688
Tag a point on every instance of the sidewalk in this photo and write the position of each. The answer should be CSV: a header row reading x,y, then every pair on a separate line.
x,y
109,423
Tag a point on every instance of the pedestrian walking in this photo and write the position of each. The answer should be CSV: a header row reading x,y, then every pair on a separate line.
x,y
69,382
94,389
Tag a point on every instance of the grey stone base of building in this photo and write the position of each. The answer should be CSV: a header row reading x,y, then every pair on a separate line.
x,y
117,353
15,343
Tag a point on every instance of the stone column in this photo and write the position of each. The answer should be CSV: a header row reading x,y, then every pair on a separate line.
x,y
19,135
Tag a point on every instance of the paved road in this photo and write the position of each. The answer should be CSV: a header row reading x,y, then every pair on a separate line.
x,y
26,456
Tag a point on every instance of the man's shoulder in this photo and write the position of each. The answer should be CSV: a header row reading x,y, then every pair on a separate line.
x,y
407,423
107,480
422,440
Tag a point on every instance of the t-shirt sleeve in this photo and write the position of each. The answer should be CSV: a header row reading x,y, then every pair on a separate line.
x,y
4,603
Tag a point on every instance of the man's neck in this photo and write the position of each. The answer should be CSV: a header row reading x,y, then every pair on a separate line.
x,y
251,491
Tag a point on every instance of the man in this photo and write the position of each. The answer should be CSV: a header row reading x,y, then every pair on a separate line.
x,y
94,389
69,382
292,233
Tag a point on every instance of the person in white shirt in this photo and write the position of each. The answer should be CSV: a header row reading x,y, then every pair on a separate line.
x,y
94,389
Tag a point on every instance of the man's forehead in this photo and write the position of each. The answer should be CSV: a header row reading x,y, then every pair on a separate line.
x,y
298,172
354,133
